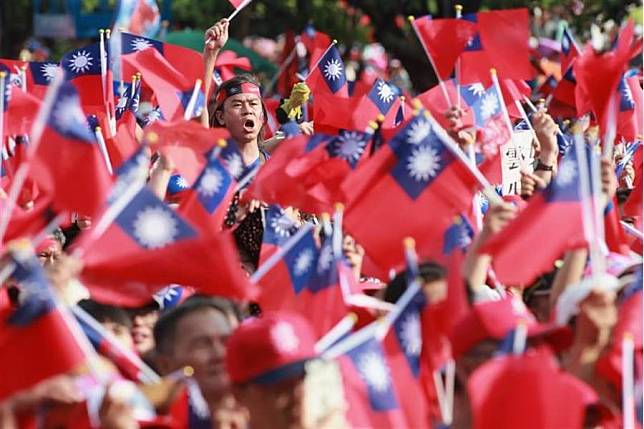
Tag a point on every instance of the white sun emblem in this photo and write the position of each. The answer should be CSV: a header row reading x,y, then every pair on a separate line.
x,y
68,113
235,165
567,173
139,44
385,93
423,163
419,131
154,227
333,69
627,95
165,294
476,89
7,91
303,262
182,182
282,225
153,116
80,62
210,182
48,70
325,259
410,335
284,338
350,146
489,105
374,371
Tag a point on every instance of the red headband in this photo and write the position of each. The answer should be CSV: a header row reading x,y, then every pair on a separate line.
x,y
242,88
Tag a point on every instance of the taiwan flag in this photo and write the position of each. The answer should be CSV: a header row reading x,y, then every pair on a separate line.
x,y
149,245
278,181
172,89
555,213
490,122
206,203
629,112
188,63
32,330
418,172
329,75
445,40
369,388
313,275
82,69
37,75
68,164
569,50
501,42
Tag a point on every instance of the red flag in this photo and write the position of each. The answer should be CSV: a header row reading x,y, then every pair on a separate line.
x,y
207,202
445,39
150,244
598,76
38,75
67,163
502,43
416,171
20,112
33,329
306,279
172,89
186,62
186,142
553,213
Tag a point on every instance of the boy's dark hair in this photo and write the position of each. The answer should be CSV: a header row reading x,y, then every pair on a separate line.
x,y
428,271
106,313
166,326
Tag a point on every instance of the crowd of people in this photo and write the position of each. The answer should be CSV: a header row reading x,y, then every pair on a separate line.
x,y
427,298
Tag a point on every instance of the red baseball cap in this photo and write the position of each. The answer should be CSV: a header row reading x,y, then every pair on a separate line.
x,y
527,391
494,319
270,348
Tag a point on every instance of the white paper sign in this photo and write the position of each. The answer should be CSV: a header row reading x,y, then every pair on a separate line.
x,y
516,155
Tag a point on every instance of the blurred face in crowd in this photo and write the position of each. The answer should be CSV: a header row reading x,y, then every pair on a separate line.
x,y
278,405
50,253
200,342
120,332
243,116
142,323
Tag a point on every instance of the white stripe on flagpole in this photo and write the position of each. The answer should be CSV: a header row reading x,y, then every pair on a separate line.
x,y
103,149
628,397
188,114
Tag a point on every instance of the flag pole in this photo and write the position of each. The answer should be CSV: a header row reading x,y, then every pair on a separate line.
x,y
232,15
318,61
499,94
588,218
628,400
239,9
36,134
103,149
187,115
441,83
3,78
453,147
458,8
341,328
23,77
